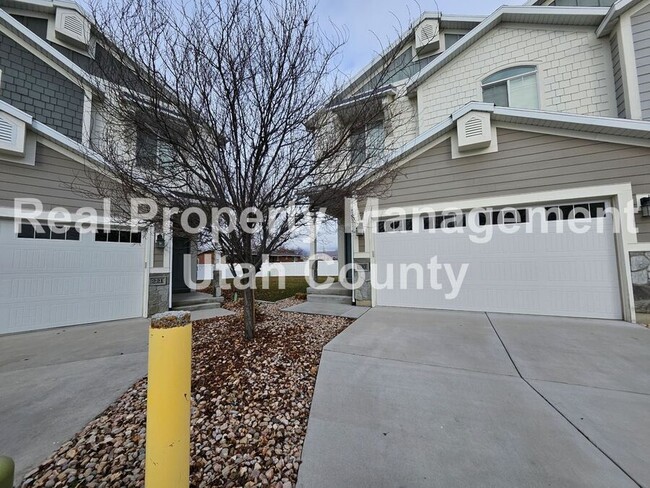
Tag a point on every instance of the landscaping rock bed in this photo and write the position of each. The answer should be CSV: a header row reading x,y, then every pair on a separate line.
x,y
250,408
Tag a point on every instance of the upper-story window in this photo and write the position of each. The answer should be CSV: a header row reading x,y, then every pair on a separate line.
x,y
151,151
512,87
451,39
367,142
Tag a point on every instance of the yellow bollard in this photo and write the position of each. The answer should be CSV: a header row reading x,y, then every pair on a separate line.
x,y
168,401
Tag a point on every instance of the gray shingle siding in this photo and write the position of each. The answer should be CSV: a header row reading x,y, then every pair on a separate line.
x,y
30,85
641,36
618,77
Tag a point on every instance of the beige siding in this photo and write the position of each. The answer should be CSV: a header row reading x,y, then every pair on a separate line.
x,y
641,36
575,71
55,179
526,162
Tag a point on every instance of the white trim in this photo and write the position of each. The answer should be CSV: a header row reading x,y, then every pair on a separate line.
x,y
145,292
86,124
585,127
639,247
410,31
627,58
592,127
581,120
615,11
525,12
40,47
575,134
620,194
13,111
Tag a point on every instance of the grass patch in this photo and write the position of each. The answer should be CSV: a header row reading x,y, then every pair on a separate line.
x,y
292,285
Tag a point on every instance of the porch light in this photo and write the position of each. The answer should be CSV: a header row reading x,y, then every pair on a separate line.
x,y
160,241
645,206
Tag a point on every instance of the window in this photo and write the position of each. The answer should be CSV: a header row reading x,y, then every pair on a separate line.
x,y
575,211
510,216
123,236
513,87
447,220
53,233
451,39
367,143
150,151
395,225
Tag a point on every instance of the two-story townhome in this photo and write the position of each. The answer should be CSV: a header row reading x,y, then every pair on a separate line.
x,y
534,117
51,89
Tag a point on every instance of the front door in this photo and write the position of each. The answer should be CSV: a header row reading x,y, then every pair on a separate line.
x,y
181,249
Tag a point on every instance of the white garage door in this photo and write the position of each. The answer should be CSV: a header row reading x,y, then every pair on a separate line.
x,y
529,272
67,279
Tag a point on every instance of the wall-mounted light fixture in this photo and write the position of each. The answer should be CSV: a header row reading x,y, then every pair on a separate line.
x,y
645,206
160,241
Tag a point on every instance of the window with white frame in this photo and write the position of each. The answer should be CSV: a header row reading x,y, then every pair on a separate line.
x,y
367,142
151,151
512,87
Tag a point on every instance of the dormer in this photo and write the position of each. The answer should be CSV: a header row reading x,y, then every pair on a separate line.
x,y
12,135
71,27
427,36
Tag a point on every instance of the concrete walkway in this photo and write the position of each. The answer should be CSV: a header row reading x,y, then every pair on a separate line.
x,y
421,398
53,382
331,309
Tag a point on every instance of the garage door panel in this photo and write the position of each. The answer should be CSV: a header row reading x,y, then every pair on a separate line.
x,y
528,272
50,283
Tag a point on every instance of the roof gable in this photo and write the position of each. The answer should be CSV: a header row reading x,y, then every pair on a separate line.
x,y
572,16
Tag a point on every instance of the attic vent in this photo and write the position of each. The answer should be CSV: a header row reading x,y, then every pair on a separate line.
x,y
73,24
427,33
71,27
427,38
12,134
473,127
474,131
7,133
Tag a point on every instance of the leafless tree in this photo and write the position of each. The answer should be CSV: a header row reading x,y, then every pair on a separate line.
x,y
236,104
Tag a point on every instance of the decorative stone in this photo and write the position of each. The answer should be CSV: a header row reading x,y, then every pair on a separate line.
x,y
216,282
640,277
170,320
639,262
158,293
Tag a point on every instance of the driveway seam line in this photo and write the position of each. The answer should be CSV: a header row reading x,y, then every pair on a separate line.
x,y
555,408
465,370
126,354
579,385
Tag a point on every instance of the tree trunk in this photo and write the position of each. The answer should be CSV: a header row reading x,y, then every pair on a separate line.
x,y
249,312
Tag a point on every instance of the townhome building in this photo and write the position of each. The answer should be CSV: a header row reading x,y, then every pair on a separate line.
x,y
540,106
52,84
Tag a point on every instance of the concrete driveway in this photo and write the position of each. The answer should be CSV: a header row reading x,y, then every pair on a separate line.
x,y
421,398
53,382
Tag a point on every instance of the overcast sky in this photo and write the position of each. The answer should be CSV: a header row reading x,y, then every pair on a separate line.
x,y
371,24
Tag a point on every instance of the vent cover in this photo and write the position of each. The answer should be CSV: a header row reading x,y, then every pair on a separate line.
x,y
12,134
8,133
71,27
427,38
474,131
473,128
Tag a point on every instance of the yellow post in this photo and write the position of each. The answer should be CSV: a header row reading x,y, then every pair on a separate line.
x,y
168,401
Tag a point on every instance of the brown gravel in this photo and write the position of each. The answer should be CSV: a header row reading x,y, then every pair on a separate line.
x,y
249,413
